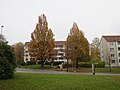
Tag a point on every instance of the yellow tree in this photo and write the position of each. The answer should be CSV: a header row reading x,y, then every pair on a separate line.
x,y
95,54
77,46
19,52
41,45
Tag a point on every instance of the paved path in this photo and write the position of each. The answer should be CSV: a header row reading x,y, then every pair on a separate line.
x,y
39,71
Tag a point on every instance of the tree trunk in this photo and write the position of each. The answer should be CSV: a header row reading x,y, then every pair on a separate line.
x,y
110,64
42,63
52,64
77,63
67,65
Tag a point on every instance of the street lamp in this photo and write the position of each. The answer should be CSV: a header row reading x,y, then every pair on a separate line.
x,y
2,29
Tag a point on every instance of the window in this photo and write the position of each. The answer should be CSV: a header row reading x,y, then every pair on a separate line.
x,y
118,48
119,54
113,61
55,58
112,55
31,59
26,55
119,60
118,43
61,50
111,49
61,58
60,54
26,59
111,43
60,46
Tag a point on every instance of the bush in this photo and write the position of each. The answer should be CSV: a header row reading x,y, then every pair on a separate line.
x,y
47,63
23,63
7,61
31,62
101,64
58,63
65,65
87,65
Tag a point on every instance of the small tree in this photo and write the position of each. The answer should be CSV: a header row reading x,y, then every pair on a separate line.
x,y
7,61
19,53
41,45
95,54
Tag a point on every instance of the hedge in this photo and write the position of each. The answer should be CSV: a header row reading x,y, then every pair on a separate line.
x,y
87,65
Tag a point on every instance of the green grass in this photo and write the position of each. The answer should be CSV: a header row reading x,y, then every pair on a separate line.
x,y
24,81
102,70
113,70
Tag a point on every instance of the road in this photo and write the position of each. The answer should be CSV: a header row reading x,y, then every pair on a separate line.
x,y
39,71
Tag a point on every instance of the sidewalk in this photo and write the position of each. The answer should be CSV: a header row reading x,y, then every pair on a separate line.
x,y
39,71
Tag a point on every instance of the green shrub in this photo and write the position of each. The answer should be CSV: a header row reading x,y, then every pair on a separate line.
x,y
58,63
23,63
31,62
88,65
101,64
47,63
65,65
7,61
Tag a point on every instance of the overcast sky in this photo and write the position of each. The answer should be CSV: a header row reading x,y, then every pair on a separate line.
x,y
94,17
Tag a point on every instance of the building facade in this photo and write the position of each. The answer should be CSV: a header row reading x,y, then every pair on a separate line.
x,y
59,47
110,50
26,53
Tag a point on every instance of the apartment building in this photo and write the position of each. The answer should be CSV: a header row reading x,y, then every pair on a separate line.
x,y
26,53
110,50
59,47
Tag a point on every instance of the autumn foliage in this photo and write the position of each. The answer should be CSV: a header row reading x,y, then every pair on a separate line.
x,y
19,53
95,54
77,46
41,46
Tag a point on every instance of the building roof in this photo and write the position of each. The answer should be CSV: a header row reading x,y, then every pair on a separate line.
x,y
26,43
60,42
112,38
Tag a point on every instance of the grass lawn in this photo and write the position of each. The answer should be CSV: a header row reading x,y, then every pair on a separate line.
x,y
24,81
113,70
100,70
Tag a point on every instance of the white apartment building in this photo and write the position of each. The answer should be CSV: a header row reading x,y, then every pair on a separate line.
x,y
59,47
110,50
26,53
